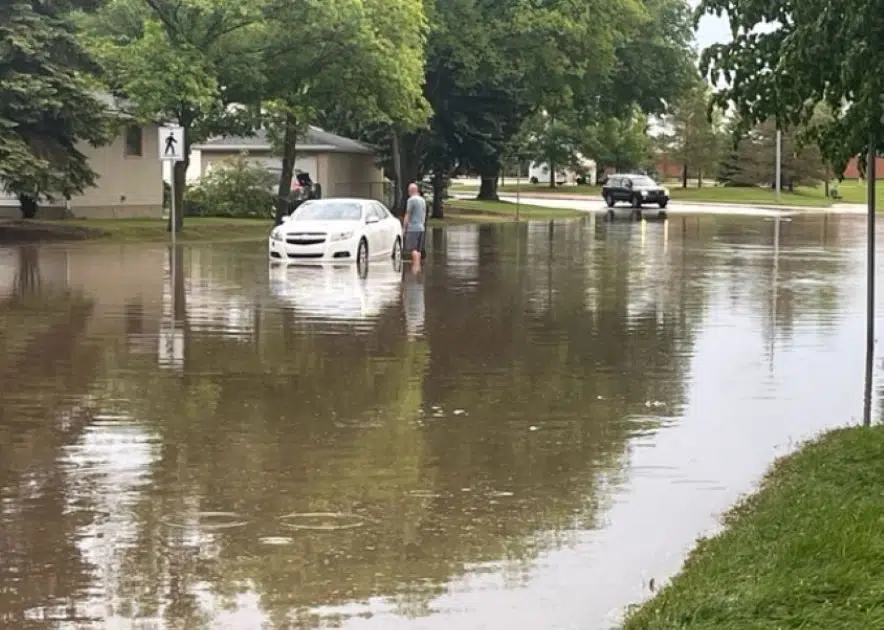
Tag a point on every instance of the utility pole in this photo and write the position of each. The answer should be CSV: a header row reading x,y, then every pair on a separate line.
x,y
870,279
779,179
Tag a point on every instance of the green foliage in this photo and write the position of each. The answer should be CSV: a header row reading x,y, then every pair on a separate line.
x,y
552,141
821,51
364,56
655,61
181,61
621,143
694,135
237,187
752,161
47,109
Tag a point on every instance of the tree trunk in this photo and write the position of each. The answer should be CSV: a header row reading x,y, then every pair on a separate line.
x,y
179,176
438,193
488,187
552,174
684,175
289,151
28,206
700,178
407,149
399,195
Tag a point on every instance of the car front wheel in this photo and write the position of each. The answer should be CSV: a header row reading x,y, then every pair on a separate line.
x,y
636,201
609,200
397,249
663,204
362,254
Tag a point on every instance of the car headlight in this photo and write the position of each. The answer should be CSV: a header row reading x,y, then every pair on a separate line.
x,y
341,236
666,191
644,193
276,235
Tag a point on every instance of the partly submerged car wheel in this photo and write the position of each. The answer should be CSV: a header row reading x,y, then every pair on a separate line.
x,y
397,249
609,201
636,201
362,254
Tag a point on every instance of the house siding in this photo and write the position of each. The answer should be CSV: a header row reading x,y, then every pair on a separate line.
x,y
309,162
339,174
354,175
126,187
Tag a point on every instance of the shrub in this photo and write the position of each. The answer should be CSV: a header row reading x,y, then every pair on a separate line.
x,y
237,187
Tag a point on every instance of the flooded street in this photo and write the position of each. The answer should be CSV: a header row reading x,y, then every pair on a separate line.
x,y
522,438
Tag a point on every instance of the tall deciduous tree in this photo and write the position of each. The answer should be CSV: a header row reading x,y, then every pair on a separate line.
x,y
553,141
693,135
621,143
182,62
47,107
365,55
784,57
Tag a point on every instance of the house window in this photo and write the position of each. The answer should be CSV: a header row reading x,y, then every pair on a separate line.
x,y
134,141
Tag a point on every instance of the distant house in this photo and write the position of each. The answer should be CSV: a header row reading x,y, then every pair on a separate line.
x,y
343,167
129,183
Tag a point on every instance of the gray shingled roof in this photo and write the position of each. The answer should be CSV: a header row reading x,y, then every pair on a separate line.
x,y
314,140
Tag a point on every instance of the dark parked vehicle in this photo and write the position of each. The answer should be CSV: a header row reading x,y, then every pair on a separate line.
x,y
637,190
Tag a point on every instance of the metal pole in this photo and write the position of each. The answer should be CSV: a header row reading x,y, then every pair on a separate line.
x,y
870,282
779,180
773,301
172,206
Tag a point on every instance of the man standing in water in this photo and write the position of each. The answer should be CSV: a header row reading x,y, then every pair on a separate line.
x,y
415,225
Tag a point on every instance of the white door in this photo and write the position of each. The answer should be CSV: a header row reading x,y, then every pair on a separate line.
x,y
308,165
374,228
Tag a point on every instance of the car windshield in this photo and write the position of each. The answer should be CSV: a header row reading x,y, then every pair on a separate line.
x,y
643,181
328,211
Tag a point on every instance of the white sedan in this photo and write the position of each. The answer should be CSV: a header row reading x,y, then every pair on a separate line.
x,y
337,230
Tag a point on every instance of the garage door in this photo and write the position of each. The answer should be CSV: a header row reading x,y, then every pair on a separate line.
x,y
308,165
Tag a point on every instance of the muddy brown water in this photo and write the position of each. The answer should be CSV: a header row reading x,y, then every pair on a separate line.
x,y
523,437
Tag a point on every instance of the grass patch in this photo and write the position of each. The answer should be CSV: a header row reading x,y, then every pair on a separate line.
x,y
471,211
803,552
195,229
852,191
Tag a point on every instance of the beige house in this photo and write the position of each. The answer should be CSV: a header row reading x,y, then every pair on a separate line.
x,y
129,183
343,167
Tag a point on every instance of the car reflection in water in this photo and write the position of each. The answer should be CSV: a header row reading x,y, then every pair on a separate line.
x,y
338,292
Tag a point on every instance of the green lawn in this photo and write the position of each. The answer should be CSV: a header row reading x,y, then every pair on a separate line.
x,y
134,230
804,552
851,191
198,229
470,211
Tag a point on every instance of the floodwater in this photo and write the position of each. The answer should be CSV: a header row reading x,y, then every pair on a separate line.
x,y
521,438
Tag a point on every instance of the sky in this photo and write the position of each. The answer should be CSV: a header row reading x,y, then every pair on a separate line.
x,y
712,30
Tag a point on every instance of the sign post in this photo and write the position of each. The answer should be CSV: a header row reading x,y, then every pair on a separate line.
x,y
171,146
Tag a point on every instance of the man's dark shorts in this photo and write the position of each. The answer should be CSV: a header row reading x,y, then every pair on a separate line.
x,y
414,241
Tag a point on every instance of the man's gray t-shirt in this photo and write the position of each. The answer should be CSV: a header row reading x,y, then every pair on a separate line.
x,y
417,211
